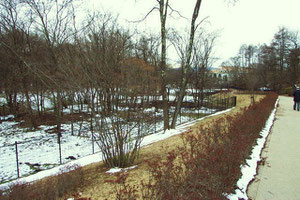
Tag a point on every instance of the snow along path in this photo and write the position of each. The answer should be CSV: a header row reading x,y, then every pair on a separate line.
x,y
98,156
279,175
249,170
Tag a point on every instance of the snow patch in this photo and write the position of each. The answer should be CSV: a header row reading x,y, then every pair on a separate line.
x,y
249,170
8,117
116,169
70,144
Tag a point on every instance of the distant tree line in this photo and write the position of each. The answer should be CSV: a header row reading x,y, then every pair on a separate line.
x,y
43,52
46,53
275,65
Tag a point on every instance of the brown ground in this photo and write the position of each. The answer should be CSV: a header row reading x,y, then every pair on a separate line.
x,y
97,188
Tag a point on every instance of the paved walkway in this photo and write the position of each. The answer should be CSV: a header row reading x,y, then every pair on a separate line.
x,y
279,177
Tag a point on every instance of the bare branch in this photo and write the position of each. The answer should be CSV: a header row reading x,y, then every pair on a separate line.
x,y
203,20
27,65
145,17
177,12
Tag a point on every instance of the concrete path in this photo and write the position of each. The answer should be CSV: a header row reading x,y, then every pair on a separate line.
x,y
279,175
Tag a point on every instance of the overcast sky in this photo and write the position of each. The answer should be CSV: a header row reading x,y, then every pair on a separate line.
x,y
245,22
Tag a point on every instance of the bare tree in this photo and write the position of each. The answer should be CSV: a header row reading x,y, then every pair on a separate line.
x,y
53,19
18,46
163,8
281,44
202,62
294,66
294,58
187,62
248,55
163,12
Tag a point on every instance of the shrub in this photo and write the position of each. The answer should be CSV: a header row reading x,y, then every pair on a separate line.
x,y
287,91
119,139
208,164
69,180
51,188
123,190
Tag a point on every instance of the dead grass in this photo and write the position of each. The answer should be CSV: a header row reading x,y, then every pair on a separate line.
x,y
94,182
95,176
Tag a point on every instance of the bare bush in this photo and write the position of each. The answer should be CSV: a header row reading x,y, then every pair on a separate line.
x,y
119,137
52,188
123,190
207,166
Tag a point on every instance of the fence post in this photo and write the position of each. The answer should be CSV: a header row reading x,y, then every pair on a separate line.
x,y
223,104
234,101
227,103
212,106
93,145
155,121
59,148
180,116
17,158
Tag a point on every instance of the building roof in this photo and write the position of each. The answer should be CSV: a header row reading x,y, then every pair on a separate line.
x,y
228,69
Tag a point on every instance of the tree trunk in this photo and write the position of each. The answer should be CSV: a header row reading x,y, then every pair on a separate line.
x,y
163,89
186,66
28,102
58,113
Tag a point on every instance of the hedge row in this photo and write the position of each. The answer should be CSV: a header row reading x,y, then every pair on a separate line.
x,y
207,166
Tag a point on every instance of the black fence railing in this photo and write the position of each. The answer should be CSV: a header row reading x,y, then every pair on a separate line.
x,y
188,111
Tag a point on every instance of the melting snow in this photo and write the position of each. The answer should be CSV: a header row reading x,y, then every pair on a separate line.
x,y
44,149
249,170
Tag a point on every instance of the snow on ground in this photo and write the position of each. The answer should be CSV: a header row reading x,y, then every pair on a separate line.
x,y
6,118
44,149
37,147
2,100
249,169
116,169
41,147
39,150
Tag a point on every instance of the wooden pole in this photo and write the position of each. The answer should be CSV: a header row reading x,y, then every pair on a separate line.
x,y
17,159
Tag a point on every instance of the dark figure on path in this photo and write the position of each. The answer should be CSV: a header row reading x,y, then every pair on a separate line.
x,y
297,99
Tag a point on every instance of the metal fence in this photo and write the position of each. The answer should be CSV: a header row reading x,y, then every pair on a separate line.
x,y
56,150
